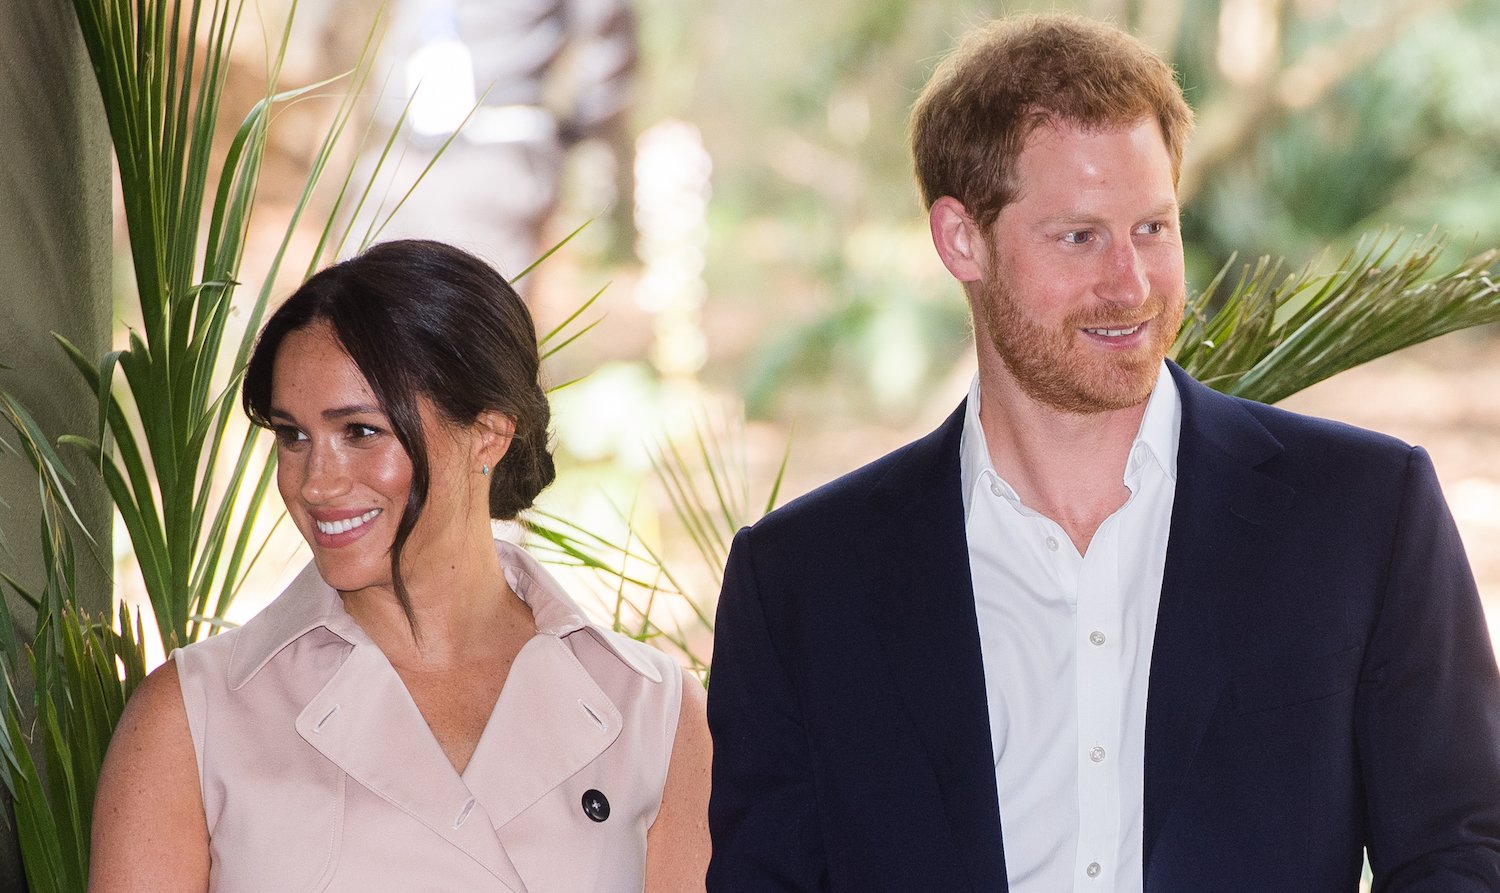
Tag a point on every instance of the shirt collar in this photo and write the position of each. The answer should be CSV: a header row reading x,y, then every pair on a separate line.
x,y
309,603
1161,427
1155,441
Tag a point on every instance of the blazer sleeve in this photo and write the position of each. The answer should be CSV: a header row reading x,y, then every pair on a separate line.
x,y
1428,711
762,812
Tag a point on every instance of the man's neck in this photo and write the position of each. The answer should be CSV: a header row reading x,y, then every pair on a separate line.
x,y
1068,466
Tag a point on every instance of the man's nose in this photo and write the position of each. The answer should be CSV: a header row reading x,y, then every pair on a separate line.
x,y
1124,280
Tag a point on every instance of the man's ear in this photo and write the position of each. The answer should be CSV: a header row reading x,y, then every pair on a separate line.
x,y
495,429
959,240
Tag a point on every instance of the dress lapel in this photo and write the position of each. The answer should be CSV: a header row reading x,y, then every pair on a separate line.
x,y
1223,531
365,722
551,721
922,606
552,718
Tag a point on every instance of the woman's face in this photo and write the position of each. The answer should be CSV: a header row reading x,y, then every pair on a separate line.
x,y
345,477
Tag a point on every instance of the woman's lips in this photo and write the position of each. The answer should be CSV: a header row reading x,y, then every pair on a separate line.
x,y
334,529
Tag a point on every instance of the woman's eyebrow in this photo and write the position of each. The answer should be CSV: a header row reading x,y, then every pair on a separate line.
x,y
340,412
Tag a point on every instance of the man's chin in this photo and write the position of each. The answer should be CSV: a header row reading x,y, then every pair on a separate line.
x,y
1099,392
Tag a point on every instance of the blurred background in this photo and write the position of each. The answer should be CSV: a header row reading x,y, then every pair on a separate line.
x,y
741,175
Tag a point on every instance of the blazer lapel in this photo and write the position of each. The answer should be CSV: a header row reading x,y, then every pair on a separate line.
x,y
922,606
1223,530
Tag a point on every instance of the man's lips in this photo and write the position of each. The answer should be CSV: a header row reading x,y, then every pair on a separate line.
x,y
1112,332
1119,334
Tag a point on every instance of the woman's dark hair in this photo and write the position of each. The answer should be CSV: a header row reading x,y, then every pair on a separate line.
x,y
425,319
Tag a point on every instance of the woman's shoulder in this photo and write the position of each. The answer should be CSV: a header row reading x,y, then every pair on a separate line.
x,y
157,700
151,750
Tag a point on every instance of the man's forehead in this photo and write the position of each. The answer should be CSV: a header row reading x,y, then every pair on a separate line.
x,y
1042,124
1074,167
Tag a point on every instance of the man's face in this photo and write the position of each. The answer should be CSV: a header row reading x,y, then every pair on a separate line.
x,y
1084,290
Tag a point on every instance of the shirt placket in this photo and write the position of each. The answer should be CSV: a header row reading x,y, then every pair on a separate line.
x,y
1097,632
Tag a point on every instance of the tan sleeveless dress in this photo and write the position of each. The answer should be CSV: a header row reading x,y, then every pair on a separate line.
x,y
319,773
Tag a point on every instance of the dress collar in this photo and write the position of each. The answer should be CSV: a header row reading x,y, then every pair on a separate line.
x,y
309,603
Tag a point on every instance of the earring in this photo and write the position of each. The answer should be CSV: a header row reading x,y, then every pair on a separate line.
x,y
484,470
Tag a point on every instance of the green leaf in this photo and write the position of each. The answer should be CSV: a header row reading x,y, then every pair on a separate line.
x,y
556,330
551,251
1275,334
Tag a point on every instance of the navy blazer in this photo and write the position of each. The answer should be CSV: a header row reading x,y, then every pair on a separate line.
x,y
1322,679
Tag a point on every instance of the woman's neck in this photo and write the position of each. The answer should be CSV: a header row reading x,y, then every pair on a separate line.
x,y
459,600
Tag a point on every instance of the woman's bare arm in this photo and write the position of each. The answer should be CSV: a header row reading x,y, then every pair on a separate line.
x,y
150,833
677,845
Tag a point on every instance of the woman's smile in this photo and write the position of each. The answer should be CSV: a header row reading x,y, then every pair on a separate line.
x,y
336,529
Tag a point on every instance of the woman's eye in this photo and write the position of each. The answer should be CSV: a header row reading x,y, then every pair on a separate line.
x,y
286,435
360,432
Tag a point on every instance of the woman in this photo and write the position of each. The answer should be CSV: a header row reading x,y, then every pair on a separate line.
x,y
423,708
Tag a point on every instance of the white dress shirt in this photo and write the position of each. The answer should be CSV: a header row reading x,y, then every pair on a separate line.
x,y
1066,643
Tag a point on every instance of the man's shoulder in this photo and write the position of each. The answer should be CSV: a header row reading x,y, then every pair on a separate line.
x,y
1299,434
1299,431
919,469
1302,429
847,494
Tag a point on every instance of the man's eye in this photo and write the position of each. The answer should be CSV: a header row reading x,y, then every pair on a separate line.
x,y
1078,237
1155,227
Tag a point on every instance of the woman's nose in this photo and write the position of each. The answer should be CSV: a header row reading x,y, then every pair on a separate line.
x,y
325,477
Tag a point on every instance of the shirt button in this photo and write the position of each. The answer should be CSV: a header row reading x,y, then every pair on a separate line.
x,y
995,488
1097,754
1093,869
1096,638
1052,543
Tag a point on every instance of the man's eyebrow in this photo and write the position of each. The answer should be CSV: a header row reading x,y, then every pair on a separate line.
x,y
1070,219
1082,218
1165,208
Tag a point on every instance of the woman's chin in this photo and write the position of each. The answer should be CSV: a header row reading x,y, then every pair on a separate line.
x,y
339,572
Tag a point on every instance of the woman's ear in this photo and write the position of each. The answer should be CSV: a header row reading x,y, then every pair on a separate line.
x,y
958,239
495,430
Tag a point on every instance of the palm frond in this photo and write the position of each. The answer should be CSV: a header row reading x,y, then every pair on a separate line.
x,y
77,665
1274,334
82,673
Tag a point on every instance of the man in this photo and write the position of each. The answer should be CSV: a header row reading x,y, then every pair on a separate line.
x,y
1104,629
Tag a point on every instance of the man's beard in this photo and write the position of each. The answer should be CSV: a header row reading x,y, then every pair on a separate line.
x,y
1055,369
